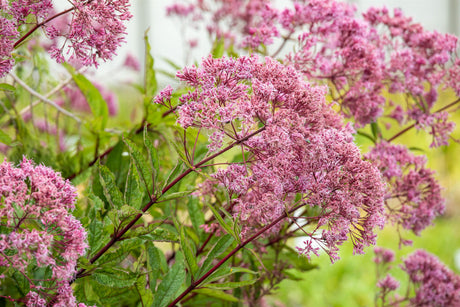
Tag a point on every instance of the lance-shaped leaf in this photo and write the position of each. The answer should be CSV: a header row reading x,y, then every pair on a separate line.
x,y
115,279
232,284
133,193
217,294
195,213
221,246
226,271
94,98
153,264
142,166
189,252
174,173
171,283
174,195
228,226
145,295
7,87
109,186
153,154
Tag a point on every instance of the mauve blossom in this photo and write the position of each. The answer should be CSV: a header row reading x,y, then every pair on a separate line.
x,y
8,36
37,193
413,195
435,284
304,149
388,283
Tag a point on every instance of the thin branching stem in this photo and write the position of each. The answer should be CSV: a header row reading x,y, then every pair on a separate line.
x,y
44,99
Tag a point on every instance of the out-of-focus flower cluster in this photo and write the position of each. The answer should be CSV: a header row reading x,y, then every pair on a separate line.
x,y
433,282
413,197
39,238
94,30
298,146
360,58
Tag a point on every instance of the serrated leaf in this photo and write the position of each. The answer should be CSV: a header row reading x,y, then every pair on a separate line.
x,y
133,194
95,227
171,283
114,280
7,87
111,191
95,101
5,138
145,295
153,264
217,294
221,246
142,166
188,252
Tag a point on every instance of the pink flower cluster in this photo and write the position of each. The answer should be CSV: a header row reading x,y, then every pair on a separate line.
x,y
435,284
245,23
303,149
38,230
95,30
361,58
413,197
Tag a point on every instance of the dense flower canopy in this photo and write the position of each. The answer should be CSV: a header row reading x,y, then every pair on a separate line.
x,y
303,149
37,228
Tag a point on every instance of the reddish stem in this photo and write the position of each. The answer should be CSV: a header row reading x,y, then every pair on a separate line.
x,y
119,234
41,24
230,254
413,125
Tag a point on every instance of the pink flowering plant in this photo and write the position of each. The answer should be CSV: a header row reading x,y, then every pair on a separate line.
x,y
198,198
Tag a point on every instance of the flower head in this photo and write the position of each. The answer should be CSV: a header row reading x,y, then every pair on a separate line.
x,y
37,228
435,284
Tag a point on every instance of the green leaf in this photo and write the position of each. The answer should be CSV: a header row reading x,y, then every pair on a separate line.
x,y
5,138
217,294
189,252
95,227
171,283
218,48
95,101
117,279
153,264
228,227
221,246
376,132
133,194
150,80
111,191
195,213
174,195
153,154
7,87
141,165
174,173
145,295
153,233
232,284
225,272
